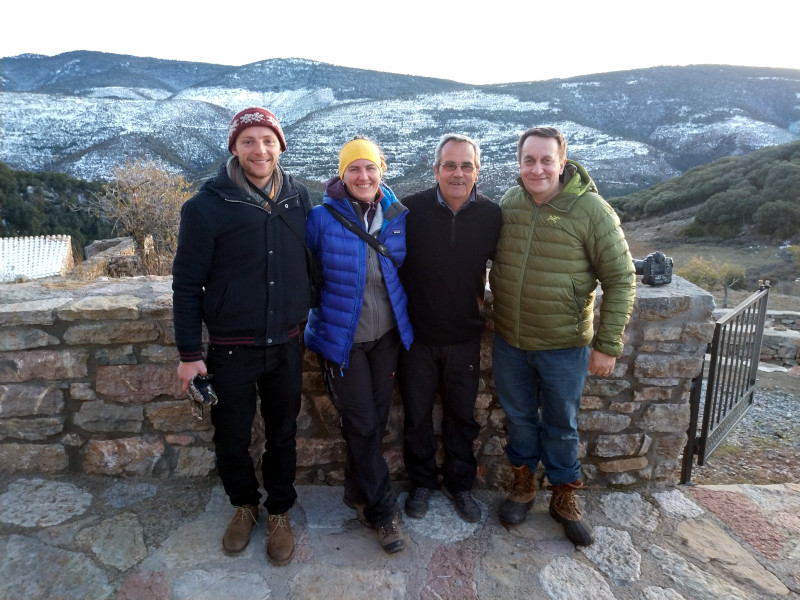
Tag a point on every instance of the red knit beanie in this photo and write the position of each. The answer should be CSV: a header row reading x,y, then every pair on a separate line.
x,y
254,117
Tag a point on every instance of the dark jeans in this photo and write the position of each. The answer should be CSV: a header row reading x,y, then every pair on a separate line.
x,y
362,394
454,371
276,373
552,380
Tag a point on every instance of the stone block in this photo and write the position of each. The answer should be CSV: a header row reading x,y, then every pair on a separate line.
x,y
136,384
97,415
665,418
194,462
50,365
98,308
653,394
82,391
116,355
318,451
31,430
33,312
484,400
102,333
591,403
671,446
20,400
601,421
625,464
24,338
497,418
161,354
33,458
174,416
660,333
625,408
495,446
629,444
606,388
159,308
125,456
659,365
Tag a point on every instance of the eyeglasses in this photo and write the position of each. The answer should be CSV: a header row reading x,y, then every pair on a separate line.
x,y
450,167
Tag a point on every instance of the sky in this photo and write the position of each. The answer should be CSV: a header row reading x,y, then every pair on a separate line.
x,y
472,41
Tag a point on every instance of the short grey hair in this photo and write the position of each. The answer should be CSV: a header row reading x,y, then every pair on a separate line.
x,y
456,137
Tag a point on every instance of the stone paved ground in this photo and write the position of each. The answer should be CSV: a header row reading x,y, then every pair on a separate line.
x,y
97,538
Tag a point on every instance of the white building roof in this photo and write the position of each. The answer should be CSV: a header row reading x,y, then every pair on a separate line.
x,y
35,257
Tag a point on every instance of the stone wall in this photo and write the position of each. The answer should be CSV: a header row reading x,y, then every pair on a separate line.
x,y
88,384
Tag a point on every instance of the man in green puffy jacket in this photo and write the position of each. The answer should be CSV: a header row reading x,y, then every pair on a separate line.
x,y
559,239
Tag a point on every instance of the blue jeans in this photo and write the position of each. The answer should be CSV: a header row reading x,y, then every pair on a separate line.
x,y
550,380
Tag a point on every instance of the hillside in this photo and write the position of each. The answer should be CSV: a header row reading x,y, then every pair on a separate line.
x,y
630,129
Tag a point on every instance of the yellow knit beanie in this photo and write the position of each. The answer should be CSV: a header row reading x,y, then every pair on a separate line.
x,y
360,148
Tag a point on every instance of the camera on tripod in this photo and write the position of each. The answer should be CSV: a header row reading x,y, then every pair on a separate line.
x,y
655,269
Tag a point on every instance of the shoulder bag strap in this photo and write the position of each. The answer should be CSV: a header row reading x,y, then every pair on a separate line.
x,y
370,239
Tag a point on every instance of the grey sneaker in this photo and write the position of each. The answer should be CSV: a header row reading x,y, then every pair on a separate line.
x,y
417,502
464,504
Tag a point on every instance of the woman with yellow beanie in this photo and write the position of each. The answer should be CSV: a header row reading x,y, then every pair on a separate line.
x,y
361,322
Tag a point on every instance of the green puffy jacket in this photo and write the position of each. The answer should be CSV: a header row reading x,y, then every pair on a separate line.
x,y
548,263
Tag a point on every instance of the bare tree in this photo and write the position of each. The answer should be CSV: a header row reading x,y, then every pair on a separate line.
x,y
143,200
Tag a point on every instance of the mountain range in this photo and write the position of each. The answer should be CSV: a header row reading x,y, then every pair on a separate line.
x,y
82,113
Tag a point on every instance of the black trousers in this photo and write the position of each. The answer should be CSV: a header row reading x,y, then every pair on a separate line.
x,y
362,394
453,371
275,373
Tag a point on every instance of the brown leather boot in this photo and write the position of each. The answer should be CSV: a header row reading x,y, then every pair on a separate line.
x,y
514,509
237,535
280,540
564,509
391,536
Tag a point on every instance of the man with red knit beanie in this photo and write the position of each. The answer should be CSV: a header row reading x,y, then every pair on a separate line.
x,y
240,269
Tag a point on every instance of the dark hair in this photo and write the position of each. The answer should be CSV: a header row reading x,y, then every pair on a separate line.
x,y
545,132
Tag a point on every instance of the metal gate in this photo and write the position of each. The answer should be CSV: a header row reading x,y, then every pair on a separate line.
x,y
729,390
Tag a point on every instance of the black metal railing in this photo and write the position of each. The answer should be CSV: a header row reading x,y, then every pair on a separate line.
x,y
733,353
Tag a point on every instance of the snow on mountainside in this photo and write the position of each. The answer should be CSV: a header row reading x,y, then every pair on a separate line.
x,y
84,112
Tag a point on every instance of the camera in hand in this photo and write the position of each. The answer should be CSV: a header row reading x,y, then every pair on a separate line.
x,y
655,269
201,395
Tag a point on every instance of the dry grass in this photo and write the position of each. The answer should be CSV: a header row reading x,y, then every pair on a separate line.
x,y
758,256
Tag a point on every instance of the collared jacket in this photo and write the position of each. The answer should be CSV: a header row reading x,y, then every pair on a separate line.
x,y
548,264
345,259
239,267
444,273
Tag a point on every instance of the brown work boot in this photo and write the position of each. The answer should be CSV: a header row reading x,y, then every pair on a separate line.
x,y
391,536
514,509
564,509
237,535
280,540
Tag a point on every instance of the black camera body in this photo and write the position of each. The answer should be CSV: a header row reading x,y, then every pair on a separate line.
x,y
655,269
201,395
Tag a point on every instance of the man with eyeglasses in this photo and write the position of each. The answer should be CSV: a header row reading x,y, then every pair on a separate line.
x,y
451,234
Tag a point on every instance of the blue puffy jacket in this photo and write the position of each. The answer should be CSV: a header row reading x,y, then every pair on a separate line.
x,y
331,326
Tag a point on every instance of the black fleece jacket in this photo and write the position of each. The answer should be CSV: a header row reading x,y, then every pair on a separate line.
x,y
444,273
239,268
